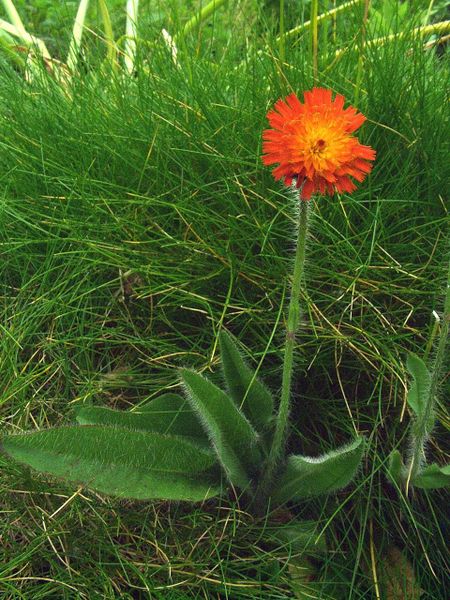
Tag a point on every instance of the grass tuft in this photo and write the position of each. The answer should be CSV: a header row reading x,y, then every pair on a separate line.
x,y
136,220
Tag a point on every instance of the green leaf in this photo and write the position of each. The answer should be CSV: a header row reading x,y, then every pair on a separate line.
x,y
252,397
169,413
120,462
232,436
299,536
432,477
396,468
303,575
418,395
305,477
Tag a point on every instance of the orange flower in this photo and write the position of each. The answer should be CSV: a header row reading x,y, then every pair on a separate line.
x,y
313,146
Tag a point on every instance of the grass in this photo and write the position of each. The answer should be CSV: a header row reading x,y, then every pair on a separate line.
x,y
136,220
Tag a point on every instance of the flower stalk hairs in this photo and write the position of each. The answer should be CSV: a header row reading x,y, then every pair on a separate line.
x,y
313,146
201,443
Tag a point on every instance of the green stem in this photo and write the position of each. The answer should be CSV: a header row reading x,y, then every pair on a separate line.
x,y
293,319
77,34
111,48
421,429
129,51
202,15
281,39
360,68
314,39
331,14
14,15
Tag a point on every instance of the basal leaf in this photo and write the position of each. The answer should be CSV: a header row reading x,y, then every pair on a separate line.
x,y
230,433
169,413
420,385
396,468
120,462
432,477
305,477
299,536
252,397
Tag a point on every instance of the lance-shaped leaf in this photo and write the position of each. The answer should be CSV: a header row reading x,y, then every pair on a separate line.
x,y
120,462
396,468
432,477
231,434
169,413
252,397
305,477
420,385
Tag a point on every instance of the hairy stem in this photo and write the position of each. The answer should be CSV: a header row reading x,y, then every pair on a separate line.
x,y
421,429
293,319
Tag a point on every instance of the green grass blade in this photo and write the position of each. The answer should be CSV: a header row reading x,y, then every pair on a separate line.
x,y
168,414
77,34
131,34
305,477
111,51
202,15
14,15
129,464
7,45
231,434
322,17
252,397
27,39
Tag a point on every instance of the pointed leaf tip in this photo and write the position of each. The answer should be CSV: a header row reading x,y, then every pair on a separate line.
x,y
120,462
305,477
249,394
432,477
420,385
167,414
232,436
396,468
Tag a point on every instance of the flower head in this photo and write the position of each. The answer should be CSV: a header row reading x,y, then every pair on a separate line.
x,y
313,145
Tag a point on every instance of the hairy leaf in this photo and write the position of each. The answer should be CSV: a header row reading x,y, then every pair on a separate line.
x,y
299,536
420,386
232,436
120,462
305,477
396,468
432,477
252,397
169,413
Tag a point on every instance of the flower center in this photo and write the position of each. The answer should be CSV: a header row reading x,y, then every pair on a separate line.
x,y
318,147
